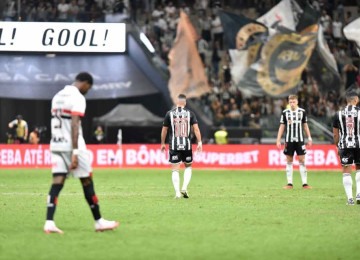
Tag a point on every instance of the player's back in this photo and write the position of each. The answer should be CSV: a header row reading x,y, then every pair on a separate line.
x,y
65,103
181,120
347,121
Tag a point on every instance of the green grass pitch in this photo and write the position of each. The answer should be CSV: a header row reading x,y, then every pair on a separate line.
x,y
230,215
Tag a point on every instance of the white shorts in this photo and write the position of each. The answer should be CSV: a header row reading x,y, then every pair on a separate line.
x,y
61,162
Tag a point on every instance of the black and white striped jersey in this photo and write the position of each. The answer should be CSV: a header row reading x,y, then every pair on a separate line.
x,y
347,120
179,121
294,124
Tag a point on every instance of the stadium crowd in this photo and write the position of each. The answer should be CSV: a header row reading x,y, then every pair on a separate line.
x,y
226,104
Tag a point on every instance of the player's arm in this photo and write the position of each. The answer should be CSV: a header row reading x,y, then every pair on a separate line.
x,y
336,135
198,137
336,131
164,131
307,131
75,123
279,135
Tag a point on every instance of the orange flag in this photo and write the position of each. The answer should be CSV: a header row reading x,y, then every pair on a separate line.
x,y
187,72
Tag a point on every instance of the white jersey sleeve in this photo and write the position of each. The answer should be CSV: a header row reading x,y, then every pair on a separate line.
x,y
78,105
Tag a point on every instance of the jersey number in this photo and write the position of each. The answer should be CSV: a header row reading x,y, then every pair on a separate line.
x,y
350,126
181,127
57,115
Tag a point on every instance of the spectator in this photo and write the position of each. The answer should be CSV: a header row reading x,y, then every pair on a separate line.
x,y
63,10
325,21
99,135
221,136
34,137
21,132
337,29
217,31
73,11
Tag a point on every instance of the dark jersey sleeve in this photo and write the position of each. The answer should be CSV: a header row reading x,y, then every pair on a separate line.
x,y
166,121
336,122
193,119
304,119
283,118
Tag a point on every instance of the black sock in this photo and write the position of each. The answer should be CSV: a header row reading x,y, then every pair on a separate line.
x,y
52,200
92,200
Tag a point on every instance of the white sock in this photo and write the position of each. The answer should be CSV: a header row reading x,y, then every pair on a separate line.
x,y
303,173
187,177
99,220
289,173
50,222
347,182
357,178
176,182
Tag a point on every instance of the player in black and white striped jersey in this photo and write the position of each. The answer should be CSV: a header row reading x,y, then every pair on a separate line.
x,y
178,122
346,132
293,122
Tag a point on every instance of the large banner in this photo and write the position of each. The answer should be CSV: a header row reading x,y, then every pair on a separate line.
x,y
266,157
34,76
62,37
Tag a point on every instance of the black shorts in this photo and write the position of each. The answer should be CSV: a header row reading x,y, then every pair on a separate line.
x,y
349,156
291,148
180,156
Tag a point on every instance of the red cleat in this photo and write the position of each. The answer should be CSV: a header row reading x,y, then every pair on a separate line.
x,y
306,187
289,186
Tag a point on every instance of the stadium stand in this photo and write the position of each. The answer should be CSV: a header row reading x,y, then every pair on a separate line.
x,y
226,105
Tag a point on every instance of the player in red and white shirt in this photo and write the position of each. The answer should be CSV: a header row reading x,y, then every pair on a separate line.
x,y
68,151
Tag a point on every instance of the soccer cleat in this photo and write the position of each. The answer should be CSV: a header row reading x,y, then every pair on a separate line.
x,y
306,186
177,197
358,199
104,225
50,227
185,194
350,202
289,186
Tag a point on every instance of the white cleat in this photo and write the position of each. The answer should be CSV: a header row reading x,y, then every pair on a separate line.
x,y
104,225
50,227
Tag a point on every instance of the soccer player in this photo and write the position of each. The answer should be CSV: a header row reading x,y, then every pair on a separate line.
x,y
293,121
68,151
179,120
346,132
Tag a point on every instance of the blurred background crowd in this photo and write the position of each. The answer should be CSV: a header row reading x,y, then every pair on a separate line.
x,y
226,105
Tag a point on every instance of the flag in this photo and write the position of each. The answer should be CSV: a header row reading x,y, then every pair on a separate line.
x,y
322,65
187,73
278,71
352,32
239,64
240,31
281,15
309,17
242,59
